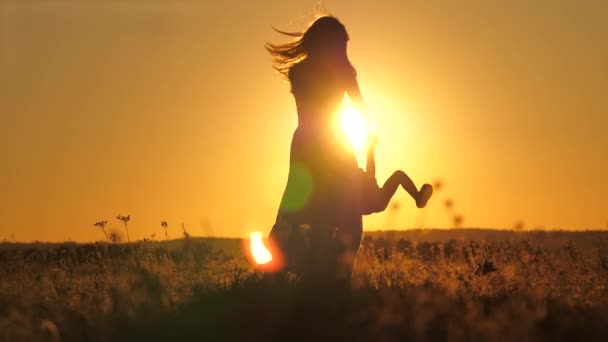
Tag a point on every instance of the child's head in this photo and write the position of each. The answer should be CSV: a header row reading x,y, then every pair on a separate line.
x,y
325,38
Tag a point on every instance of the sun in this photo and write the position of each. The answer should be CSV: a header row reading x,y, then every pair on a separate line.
x,y
354,127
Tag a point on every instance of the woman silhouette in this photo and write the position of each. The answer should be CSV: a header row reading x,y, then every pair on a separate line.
x,y
319,191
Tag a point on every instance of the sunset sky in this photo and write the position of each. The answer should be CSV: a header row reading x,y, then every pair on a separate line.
x,y
170,110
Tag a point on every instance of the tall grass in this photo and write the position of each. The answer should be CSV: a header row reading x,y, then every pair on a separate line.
x,y
420,285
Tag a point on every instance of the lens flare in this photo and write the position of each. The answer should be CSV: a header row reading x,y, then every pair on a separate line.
x,y
260,253
353,124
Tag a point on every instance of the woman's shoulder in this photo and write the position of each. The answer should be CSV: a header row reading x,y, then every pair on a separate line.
x,y
299,69
293,76
306,71
348,70
294,70
299,73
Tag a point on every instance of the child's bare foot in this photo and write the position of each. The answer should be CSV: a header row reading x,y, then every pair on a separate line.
x,y
426,191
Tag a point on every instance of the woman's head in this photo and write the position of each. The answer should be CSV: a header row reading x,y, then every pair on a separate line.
x,y
325,38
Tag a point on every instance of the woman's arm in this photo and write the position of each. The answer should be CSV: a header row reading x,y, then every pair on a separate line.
x,y
370,167
354,93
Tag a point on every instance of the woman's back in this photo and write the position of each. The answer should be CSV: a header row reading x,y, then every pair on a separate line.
x,y
318,88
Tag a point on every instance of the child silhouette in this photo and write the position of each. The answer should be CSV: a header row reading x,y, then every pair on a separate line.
x,y
375,199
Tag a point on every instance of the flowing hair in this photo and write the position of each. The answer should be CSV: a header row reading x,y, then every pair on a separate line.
x,y
323,31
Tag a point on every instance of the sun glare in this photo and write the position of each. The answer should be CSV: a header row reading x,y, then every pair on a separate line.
x,y
353,125
260,253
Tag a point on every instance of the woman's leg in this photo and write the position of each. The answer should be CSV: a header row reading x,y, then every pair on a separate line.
x,y
348,240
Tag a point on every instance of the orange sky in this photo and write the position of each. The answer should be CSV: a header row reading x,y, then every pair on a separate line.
x,y
170,110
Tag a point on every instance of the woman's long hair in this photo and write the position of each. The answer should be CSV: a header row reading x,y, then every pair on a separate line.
x,y
320,35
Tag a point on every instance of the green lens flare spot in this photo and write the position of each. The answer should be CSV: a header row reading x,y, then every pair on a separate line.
x,y
299,188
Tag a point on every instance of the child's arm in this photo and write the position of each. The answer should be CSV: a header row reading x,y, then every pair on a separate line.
x,y
370,168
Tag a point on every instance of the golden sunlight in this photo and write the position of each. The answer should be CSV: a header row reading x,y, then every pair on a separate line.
x,y
260,253
353,124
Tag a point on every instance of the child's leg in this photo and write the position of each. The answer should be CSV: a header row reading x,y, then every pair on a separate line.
x,y
401,178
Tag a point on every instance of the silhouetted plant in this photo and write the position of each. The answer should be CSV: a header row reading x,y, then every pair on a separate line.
x,y
404,245
571,250
102,226
438,185
487,266
186,234
604,262
519,225
165,225
448,203
395,206
125,220
151,238
115,237
451,250
428,251
457,220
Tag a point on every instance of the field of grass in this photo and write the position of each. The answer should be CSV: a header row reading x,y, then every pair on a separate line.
x,y
420,285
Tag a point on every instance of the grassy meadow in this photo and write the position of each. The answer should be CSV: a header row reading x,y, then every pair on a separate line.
x,y
424,285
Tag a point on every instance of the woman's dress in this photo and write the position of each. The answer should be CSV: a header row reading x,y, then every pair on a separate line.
x,y
320,190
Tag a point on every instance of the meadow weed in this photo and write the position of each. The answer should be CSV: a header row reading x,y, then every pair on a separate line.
x,y
466,284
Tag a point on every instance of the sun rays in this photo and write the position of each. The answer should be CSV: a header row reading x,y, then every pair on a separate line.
x,y
353,125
